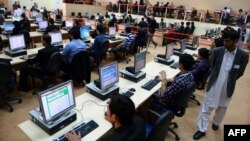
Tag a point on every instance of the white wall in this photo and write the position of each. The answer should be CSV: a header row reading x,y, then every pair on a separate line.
x,y
49,4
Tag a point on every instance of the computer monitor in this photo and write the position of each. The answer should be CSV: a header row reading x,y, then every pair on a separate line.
x,y
108,76
183,45
87,22
43,24
84,31
69,23
34,13
56,37
93,24
169,50
56,101
139,61
17,42
16,18
111,17
8,26
195,41
39,19
112,31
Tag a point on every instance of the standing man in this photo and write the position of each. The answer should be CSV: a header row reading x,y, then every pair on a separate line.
x,y
228,64
152,26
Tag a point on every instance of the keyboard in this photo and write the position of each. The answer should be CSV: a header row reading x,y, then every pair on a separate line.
x,y
175,65
32,55
151,84
128,93
85,128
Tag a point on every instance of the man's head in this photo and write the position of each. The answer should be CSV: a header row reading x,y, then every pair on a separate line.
x,y
120,110
231,38
23,15
51,21
100,29
128,30
186,62
46,40
203,53
75,34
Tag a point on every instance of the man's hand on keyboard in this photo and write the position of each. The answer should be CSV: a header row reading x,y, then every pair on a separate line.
x,y
162,75
72,136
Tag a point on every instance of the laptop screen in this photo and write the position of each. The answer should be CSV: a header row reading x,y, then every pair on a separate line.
x,y
56,37
112,31
69,23
8,26
16,42
43,24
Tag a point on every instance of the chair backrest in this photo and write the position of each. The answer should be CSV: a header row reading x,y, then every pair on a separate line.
x,y
26,35
182,100
161,126
6,76
54,63
80,67
104,48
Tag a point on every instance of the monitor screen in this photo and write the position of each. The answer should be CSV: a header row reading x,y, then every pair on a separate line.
x,y
56,37
140,61
108,75
17,42
169,50
8,26
43,24
111,17
69,23
39,19
34,13
121,27
84,31
112,31
56,101
87,22
93,24
16,18
195,41
183,45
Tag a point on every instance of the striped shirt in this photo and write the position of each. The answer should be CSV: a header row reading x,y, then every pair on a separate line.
x,y
128,40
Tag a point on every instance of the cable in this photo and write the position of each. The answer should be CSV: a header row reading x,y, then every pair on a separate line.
x,y
92,102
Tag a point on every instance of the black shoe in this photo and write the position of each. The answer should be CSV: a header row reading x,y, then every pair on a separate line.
x,y
198,135
215,127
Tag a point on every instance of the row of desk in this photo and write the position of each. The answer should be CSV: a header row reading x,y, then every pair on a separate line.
x,y
95,112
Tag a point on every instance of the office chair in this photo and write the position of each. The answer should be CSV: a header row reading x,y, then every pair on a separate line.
x,y
6,76
80,68
50,72
159,130
102,52
143,44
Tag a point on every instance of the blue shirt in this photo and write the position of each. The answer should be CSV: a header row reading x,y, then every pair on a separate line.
x,y
128,40
72,48
99,40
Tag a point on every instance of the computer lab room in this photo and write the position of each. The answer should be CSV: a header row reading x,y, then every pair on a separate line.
x,y
124,70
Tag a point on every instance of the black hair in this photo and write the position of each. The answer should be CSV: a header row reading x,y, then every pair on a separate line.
x,y
231,34
75,34
123,107
187,61
47,39
182,23
204,53
101,28
51,21
23,15
128,29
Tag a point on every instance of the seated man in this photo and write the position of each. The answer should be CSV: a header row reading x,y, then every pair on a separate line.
x,y
168,95
99,40
17,28
42,59
25,23
124,45
126,126
201,68
51,27
72,48
141,37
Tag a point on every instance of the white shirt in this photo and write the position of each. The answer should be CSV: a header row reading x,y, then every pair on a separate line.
x,y
18,12
217,94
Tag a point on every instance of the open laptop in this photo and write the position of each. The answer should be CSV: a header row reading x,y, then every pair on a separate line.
x,y
111,33
68,25
39,19
16,18
42,26
56,38
8,27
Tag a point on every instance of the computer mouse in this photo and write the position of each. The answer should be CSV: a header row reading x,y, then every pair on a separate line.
x,y
156,77
132,89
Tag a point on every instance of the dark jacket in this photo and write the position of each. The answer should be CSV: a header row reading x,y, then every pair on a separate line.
x,y
51,28
237,70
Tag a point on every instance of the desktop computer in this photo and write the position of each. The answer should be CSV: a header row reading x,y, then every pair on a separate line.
x,y
195,43
56,108
107,83
180,51
17,45
42,26
134,73
85,33
166,58
56,39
